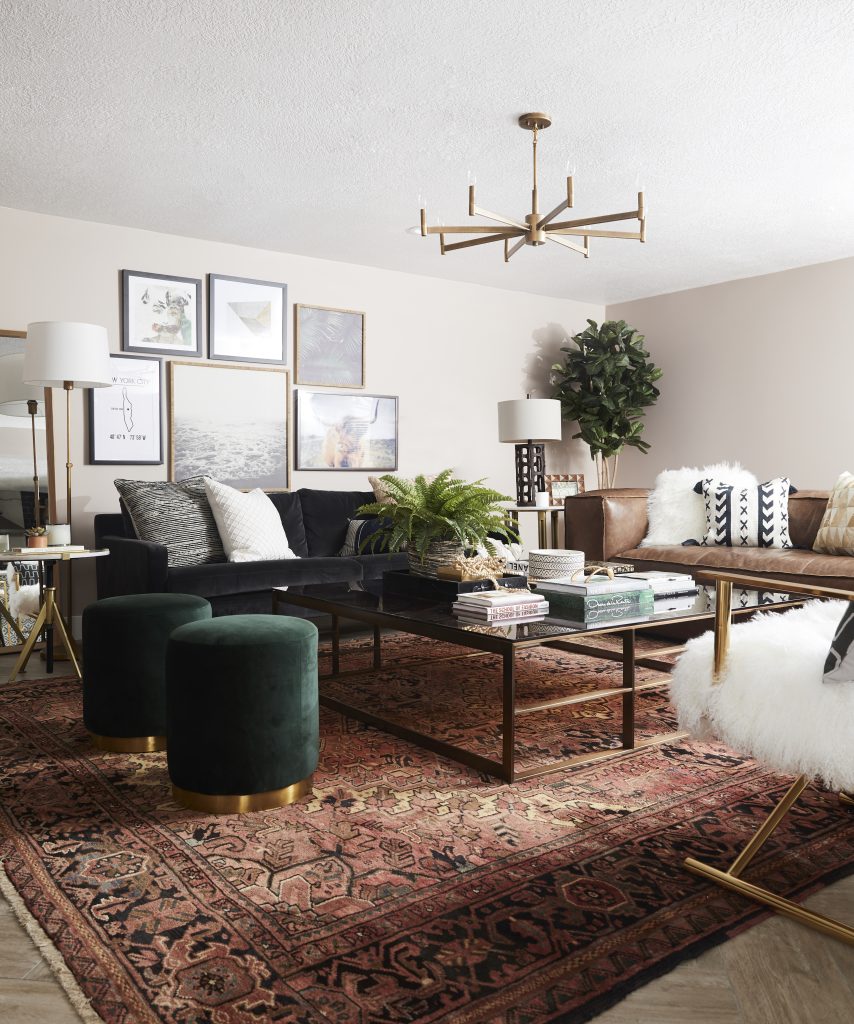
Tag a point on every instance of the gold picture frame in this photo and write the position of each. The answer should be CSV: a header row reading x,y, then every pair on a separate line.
x,y
331,376
192,442
568,485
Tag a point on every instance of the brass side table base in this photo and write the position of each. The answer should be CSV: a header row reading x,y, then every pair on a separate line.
x,y
48,619
210,803
129,744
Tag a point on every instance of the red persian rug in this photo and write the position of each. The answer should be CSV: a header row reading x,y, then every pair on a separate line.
x,y
407,888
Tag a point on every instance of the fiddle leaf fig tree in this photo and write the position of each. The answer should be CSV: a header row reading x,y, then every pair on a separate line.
x,y
604,384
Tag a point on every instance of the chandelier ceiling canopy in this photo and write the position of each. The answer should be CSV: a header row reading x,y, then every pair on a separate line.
x,y
535,229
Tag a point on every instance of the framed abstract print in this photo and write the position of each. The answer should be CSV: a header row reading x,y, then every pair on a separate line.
x,y
246,320
329,347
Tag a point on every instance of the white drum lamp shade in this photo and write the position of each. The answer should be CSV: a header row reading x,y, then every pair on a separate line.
x,y
14,393
59,352
529,419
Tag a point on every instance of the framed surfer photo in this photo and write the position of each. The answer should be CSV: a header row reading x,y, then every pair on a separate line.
x,y
125,419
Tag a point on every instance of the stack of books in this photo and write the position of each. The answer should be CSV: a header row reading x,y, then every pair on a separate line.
x,y
672,591
500,608
597,598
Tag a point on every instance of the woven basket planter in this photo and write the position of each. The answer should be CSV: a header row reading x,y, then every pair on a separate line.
x,y
439,552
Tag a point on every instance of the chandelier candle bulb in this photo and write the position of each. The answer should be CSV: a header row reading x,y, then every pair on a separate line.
x,y
570,191
423,222
471,200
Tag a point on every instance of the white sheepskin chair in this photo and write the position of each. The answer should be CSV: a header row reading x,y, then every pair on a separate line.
x,y
772,703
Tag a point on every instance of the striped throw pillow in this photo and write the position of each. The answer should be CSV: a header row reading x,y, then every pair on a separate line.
x,y
176,515
839,667
747,517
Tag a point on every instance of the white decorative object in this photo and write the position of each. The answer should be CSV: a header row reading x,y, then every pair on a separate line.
x,y
58,534
772,702
547,563
249,525
676,512
543,499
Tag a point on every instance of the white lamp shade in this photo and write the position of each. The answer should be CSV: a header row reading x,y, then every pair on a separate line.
x,y
14,393
58,351
529,419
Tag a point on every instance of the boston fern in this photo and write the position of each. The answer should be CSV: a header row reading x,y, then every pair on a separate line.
x,y
604,385
446,509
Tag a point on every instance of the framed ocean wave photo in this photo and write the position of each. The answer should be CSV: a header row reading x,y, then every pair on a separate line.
x,y
231,423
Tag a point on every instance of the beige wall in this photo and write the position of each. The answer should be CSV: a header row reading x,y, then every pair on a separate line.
x,y
450,351
758,370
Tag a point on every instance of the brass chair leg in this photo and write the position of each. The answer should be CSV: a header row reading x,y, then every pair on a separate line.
x,y
730,879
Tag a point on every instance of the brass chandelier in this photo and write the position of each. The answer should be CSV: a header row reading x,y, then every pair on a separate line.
x,y
536,230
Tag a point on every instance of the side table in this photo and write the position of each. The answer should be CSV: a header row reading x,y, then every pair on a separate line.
x,y
543,516
49,617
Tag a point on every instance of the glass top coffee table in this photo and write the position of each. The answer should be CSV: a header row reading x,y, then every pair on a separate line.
x,y
434,620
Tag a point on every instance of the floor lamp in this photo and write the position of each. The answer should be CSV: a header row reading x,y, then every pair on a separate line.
x,y
61,354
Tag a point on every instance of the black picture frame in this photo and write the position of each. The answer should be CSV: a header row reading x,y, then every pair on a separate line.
x,y
92,425
299,454
178,351
213,352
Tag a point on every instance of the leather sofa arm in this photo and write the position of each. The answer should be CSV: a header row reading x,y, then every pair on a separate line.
x,y
133,567
603,524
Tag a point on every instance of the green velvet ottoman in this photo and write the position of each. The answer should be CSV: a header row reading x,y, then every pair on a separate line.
x,y
242,712
124,666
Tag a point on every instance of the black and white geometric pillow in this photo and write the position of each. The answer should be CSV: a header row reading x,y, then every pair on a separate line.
x,y
176,515
839,667
750,517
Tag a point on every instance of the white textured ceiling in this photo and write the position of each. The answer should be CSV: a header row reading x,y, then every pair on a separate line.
x,y
312,126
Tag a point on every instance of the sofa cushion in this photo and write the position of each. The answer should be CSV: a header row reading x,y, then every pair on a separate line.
x,y
777,563
289,507
325,515
246,577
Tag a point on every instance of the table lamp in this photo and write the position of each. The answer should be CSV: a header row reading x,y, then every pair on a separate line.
x,y
20,399
527,423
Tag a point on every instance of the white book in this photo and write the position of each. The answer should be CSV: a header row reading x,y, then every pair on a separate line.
x,y
591,585
471,620
507,612
664,582
492,598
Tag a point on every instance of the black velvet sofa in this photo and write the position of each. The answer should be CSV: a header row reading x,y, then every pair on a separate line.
x,y
316,526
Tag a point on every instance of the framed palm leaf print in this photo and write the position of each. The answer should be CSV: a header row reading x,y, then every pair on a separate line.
x,y
330,347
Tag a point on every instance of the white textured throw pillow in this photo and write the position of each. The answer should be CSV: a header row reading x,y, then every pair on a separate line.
x,y
249,525
676,512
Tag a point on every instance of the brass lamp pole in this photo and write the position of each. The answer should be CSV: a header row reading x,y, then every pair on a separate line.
x,y
33,411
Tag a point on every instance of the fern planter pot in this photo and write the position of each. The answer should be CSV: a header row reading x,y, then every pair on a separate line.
x,y
438,553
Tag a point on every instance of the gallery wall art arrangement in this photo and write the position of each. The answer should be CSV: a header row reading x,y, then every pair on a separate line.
x,y
233,422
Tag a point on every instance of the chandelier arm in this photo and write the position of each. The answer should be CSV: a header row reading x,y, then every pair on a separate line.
x,y
511,250
480,241
570,245
464,229
480,212
607,218
595,233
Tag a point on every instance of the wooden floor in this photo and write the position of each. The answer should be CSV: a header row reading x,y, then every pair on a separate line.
x,y
776,973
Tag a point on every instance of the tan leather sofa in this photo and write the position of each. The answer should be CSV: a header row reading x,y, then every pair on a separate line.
x,y
611,524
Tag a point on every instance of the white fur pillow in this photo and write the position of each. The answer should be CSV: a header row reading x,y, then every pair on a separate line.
x,y
676,512
249,526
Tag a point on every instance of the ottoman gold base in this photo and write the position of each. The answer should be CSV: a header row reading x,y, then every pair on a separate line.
x,y
243,803
129,744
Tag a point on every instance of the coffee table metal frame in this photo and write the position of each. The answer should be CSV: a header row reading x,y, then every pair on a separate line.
x,y
483,643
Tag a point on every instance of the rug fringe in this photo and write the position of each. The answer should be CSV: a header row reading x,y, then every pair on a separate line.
x,y
51,954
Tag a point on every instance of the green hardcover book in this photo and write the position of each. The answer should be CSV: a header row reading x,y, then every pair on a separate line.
x,y
593,607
